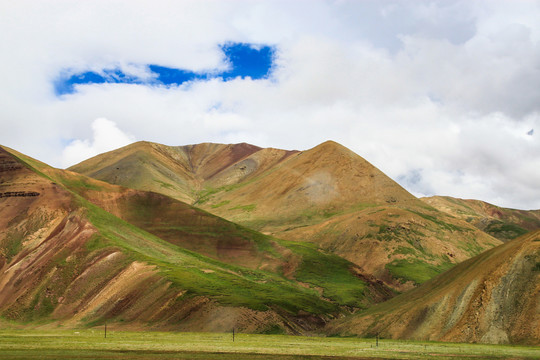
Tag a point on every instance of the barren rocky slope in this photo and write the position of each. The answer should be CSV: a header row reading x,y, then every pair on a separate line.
x,y
491,298
65,260
327,195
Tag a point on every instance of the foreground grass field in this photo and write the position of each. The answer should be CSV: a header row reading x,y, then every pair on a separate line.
x,y
91,344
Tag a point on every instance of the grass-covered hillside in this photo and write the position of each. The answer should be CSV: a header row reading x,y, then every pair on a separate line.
x,y
151,261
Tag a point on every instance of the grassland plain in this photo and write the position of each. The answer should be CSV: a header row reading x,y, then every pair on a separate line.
x,y
91,344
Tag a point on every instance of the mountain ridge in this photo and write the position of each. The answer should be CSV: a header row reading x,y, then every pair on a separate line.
x,y
327,195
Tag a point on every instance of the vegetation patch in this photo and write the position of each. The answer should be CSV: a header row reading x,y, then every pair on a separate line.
x,y
405,250
220,204
415,270
12,244
245,208
502,230
441,223
331,273
79,183
96,242
205,195
471,247
165,185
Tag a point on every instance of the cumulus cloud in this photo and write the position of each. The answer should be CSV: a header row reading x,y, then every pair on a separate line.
x,y
439,95
106,136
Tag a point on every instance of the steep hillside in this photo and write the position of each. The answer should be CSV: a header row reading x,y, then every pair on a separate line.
x,y
63,259
327,195
502,223
491,298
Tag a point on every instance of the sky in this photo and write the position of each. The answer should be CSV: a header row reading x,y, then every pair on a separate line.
x,y
443,96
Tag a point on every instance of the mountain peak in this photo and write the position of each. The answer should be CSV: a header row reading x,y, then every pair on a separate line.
x,y
331,145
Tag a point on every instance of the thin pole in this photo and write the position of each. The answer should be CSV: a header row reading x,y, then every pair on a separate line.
x,y
232,334
105,330
377,340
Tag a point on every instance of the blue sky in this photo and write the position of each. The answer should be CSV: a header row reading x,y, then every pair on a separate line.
x,y
442,96
243,60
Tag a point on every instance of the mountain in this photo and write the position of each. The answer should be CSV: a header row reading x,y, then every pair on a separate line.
x,y
182,172
75,251
327,195
502,223
491,298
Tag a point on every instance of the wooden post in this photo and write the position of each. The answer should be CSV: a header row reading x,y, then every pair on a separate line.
x,y
377,341
232,334
105,330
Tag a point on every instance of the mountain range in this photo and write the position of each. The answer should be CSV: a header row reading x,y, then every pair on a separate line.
x,y
209,237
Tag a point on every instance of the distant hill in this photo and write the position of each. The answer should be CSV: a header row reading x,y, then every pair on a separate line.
x,y
79,252
327,195
491,298
502,223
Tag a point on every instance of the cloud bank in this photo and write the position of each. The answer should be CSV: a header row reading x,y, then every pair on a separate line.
x,y
106,136
442,96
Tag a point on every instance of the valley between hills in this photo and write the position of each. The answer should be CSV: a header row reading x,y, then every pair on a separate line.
x,y
211,237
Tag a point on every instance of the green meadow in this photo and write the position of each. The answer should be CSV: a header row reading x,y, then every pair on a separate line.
x,y
92,344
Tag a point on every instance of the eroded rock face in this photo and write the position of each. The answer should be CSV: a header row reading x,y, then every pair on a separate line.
x,y
18,194
8,163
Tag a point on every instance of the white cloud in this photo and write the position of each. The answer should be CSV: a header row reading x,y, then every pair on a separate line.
x,y
106,136
438,94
